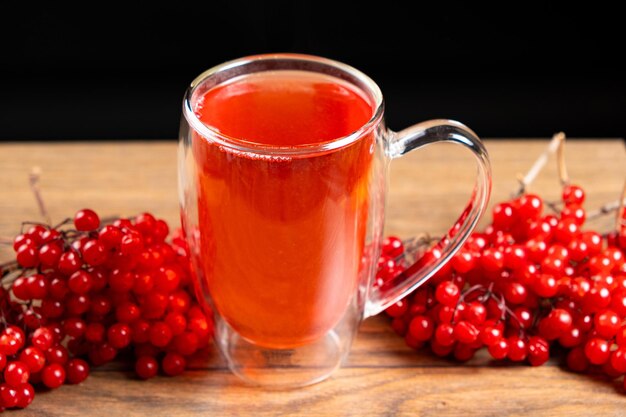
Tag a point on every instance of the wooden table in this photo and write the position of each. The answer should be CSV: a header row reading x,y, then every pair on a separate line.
x,y
381,376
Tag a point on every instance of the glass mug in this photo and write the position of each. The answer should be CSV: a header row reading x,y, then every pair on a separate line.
x,y
283,164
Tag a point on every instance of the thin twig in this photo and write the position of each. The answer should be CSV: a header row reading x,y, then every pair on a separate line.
x,y
552,206
33,180
560,160
8,266
526,180
605,209
619,217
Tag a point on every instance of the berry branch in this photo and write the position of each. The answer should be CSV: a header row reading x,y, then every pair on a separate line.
x,y
33,180
620,216
542,160
526,284
560,158
84,290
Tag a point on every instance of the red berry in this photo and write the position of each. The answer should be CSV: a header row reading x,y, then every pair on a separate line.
x,y
555,324
42,338
77,304
86,220
49,254
577,360
546,286
167,279
538,351
514,292
153,305
16,373
504,216
160,334
573,194
463,352
69,262
110,236
421,328
77,370
176,322
393,247
9,396
101,305
33,358
574,212
140,331
490,335
607,323
132,243
146,367
499,350
618,359
80,282
53,375
119,335
517,349
94,332
186,343
173,364
571,338
11,340
465,332
27,256
21,288
57,354
447,293
145,223
463,262
597,350
25,395
475,313
492,260
22,239
94,252
530,207
127,312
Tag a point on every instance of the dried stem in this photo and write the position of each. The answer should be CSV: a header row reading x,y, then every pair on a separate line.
x,y
605,209
619,217
33,180
526,180
8,266
560,160
552,206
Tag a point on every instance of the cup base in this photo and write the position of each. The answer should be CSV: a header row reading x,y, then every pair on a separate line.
x,y
281,368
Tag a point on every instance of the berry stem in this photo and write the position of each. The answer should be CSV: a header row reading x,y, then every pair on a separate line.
x,y
604,209
540,162
560,160
554,206
620,222
8,266
413,245
33,180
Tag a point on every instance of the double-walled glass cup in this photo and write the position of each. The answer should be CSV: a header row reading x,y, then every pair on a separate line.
x,y
285,239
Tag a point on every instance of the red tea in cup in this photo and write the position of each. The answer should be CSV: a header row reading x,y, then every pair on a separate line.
x,y
283,237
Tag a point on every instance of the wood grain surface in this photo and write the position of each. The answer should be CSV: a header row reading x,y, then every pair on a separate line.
x,y
381,377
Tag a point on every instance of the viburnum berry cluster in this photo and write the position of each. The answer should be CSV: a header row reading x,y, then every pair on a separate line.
x,y
529,282
81,292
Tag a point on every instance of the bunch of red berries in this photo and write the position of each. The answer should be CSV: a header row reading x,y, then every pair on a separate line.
x,y
528,282
79,293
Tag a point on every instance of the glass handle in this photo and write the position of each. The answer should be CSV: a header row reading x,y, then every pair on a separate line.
x,y
403,142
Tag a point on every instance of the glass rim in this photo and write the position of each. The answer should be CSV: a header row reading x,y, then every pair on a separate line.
x,y
371,90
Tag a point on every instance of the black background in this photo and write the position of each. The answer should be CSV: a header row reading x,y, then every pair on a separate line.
x,y
507,69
